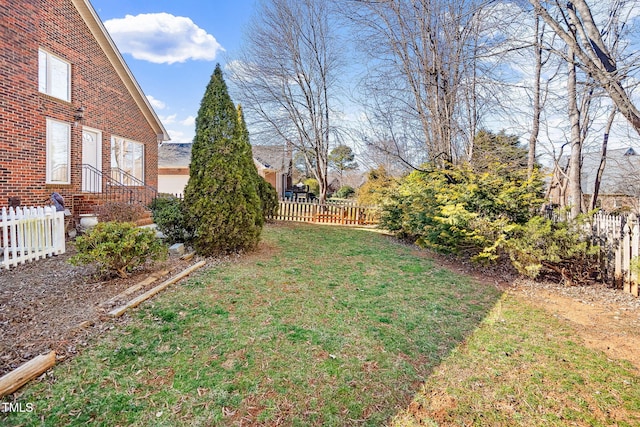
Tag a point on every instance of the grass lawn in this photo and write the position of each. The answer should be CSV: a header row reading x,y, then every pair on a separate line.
x,y
330,327
324,326
525,367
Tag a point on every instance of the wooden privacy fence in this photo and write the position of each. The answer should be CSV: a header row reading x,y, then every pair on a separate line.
x,y
327,213
619,241
27,234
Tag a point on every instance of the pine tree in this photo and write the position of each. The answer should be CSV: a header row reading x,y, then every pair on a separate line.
x,y
268,195
222,206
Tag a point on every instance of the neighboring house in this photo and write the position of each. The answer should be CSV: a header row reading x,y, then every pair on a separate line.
x,y
274,164
73,119
173,167
620,183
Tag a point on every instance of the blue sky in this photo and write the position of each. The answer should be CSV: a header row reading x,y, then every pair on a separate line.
x,y
172,47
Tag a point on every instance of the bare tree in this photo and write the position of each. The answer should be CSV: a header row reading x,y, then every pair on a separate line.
x,y
287,76
422,56
576,26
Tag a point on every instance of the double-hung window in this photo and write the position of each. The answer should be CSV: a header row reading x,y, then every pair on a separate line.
x,y
58,152
127,161
54,76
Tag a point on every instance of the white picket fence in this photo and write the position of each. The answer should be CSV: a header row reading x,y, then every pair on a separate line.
x,y
27,234
619,241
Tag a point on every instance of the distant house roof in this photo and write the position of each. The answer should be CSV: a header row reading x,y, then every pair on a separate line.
x,y
101,35
174,155
621,174
272,156
178,155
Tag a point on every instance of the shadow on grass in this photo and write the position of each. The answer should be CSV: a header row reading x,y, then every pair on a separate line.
x,y
328,326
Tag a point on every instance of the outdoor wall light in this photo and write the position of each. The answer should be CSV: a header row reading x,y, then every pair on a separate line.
x,y
79,115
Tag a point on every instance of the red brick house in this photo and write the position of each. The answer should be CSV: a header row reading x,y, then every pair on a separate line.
x,y
73,119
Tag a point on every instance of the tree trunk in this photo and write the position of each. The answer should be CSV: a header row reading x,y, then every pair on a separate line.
x,y
575,159
535,126
603,161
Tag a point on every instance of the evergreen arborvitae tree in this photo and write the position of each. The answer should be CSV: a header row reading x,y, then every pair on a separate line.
x,y
221,202
267,194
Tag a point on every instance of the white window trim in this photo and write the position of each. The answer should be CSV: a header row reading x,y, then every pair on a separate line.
x,y
141,178
46,74
49,172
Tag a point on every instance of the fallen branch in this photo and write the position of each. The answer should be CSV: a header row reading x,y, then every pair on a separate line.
x,y
23,374
117,312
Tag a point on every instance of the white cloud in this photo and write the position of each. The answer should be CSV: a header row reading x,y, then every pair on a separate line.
x,y
162,38
156,103
189,121
180,136
168,119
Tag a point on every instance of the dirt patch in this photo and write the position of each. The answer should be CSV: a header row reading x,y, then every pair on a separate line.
x,y
50,304
606,319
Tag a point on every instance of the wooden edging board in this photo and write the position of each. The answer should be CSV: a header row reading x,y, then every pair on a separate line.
x,y
117,312
23,374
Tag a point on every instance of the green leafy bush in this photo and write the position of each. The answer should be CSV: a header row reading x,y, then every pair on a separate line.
x,y
542,245
168,215
345,192
459,210
314,186
378,188
118,247
120,212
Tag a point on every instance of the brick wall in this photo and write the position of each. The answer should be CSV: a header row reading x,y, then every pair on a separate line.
x,y
56,26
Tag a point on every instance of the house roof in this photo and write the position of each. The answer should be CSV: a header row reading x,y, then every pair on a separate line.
x,y
90,17
271,156
174,155
178,155
621,174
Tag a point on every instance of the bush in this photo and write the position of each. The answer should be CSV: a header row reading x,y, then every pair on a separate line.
x,y
168,215
118,247
314,186
542,245
120,212
378,188
344,192
459,210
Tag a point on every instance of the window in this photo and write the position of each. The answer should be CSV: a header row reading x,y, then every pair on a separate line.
x,y
58,152
54,76
127,161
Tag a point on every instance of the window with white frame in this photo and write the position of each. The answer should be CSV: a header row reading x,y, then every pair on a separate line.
x,y
58,152
54,75
127,161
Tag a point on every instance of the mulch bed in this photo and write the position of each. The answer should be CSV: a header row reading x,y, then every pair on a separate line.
x,y
50,304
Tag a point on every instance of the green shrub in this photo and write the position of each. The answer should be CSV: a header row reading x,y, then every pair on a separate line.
x,y
378,188
118,247
459,210
120,212
345,192
314,186
542,245
168,215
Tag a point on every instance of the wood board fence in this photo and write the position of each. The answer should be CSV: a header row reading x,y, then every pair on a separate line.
x,y
27,234
327,213
619,240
